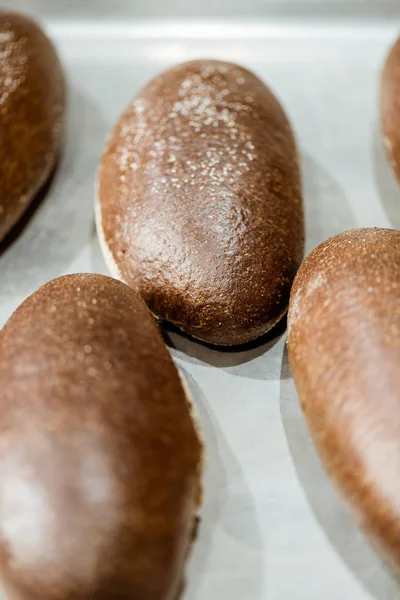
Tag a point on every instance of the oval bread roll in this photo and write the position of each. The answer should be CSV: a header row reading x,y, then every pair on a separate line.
x,y
99,455
390,107
31,114
199,202
344,350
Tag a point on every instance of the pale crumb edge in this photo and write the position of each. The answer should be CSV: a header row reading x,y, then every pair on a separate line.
x,y
201,464
107,254
193,413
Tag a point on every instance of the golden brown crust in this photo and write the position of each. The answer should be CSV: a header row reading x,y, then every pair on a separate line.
x,y
99,455
32,98
200,201
344,350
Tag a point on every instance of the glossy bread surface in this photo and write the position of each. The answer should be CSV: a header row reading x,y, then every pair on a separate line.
x,y
200,203
99,455
32,98
344,350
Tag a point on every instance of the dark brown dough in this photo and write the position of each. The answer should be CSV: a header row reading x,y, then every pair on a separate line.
x,y
199,204
100,458
32,100
344,350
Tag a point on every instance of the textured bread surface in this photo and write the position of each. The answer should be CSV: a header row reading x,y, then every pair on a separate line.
x,y
32,98
344,351
199,201
390,107
100,458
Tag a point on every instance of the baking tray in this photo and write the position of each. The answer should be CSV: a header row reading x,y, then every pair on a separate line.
x,y
272,527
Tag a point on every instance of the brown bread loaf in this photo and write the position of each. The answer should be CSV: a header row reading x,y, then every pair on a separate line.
x,y
199,201
344,350
390,107
31,114
99,455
